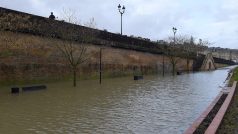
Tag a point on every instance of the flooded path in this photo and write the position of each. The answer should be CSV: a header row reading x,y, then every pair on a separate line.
x,y
154,105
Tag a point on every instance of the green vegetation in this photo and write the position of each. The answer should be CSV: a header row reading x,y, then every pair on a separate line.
x,y
229,124
235,75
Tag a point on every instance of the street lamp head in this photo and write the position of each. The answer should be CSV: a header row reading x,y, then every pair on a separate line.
x,y
119,6
174,29
121,9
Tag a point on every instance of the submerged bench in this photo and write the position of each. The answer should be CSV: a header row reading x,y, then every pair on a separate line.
x,y
33,88
15,90
138,77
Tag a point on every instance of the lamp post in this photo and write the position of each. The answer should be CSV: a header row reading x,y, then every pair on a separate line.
x,y
174,30
230,55
199,47
163,64
165,50
163,60
121,11
174,45
100,65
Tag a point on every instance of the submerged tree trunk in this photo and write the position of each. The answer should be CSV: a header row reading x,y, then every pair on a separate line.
x,y
173,62
188,65
74,79
174,69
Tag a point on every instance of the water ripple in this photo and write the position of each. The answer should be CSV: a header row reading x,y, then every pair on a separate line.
x,y
155,105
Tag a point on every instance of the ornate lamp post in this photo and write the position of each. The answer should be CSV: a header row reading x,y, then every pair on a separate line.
x,y
174,30
121,11
169,51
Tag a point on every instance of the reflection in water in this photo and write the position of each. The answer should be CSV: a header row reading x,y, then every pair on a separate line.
x,y
121,105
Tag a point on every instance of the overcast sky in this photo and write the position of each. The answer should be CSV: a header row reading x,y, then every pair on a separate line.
x,y
213,20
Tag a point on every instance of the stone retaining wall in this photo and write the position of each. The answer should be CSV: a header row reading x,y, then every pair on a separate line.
x,y
30,57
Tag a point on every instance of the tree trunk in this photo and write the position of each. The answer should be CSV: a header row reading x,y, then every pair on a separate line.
x,y
188,65
74,72
173,69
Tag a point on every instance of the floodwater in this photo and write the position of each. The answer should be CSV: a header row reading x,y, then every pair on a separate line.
x,y
154,105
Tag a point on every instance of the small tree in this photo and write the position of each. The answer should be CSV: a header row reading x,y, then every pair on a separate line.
x,y
174,53
189,47
192,48
202,45
186,46
75,54
73,44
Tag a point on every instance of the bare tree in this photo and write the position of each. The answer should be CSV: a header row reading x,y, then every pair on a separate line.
x,y
192,48
174,52
202,45
91,23
187,47
69,15
73,45
75,54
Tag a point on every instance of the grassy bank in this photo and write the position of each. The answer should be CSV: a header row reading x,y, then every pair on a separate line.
x,y
229,123
234,76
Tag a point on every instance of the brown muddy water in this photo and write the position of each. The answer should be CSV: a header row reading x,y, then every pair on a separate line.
x,y
154,105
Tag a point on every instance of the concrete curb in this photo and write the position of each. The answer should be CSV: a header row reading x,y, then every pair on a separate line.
x,y
199,120
212,128
219,116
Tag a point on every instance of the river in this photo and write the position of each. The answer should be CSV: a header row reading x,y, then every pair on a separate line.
x,y
164,105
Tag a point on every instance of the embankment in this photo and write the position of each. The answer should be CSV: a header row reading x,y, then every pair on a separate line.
x,y
25,57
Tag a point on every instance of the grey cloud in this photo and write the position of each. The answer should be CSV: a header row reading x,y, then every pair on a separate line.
x,y
215,20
